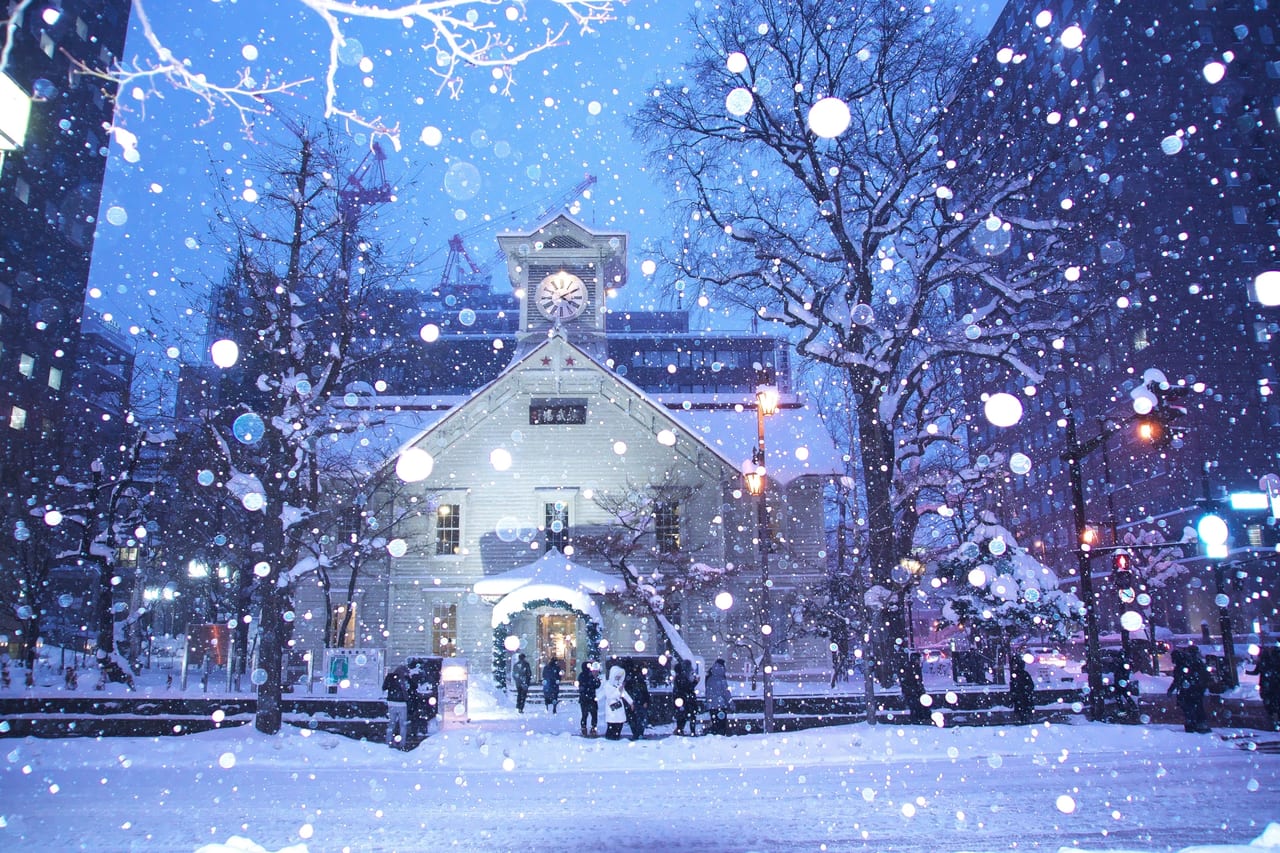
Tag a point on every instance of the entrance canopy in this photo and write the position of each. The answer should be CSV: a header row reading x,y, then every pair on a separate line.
x,y
552,577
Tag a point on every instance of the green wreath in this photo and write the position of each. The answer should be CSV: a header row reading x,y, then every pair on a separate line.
x,y
502,657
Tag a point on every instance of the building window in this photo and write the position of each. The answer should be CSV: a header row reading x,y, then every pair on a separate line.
x,y
444,629
666,526
127,558
340,636
47,44
449,529
27,365
556,517
55,378
22,190
18,418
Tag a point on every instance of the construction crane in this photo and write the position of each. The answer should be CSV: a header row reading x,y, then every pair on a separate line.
x,y
463,275
366,186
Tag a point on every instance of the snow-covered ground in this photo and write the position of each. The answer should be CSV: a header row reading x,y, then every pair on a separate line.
x,y
526,782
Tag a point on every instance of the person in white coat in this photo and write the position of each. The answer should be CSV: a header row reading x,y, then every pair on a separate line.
x,y
616,700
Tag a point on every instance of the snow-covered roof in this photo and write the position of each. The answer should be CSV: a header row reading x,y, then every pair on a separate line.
x,y
797,443
551,569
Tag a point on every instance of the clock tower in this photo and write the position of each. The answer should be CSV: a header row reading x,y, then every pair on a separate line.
x,y
562,273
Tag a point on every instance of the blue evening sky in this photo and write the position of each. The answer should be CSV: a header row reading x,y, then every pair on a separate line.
x,y
565,117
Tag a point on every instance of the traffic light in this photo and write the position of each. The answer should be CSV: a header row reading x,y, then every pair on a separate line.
x,y
1158,405
1122,570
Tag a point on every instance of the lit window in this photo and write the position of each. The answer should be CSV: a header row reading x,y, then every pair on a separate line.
x,y
18,418
55,378
27,365
448,529
666,526
342,630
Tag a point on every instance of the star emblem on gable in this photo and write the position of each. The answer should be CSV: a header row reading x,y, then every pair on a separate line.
x,y
569,362
546,361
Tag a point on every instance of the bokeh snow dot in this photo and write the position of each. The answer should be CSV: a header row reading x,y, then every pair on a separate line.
x,y
430,333
1266,287
117,215
1003,410
736,62
739,101
227,760
1020,463
829,117
1066,804
397,547
249,52
500,459
225,353
1171,145
414,465
431,135
1131,620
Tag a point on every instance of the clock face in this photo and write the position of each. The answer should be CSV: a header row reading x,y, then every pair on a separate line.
x,y
561,296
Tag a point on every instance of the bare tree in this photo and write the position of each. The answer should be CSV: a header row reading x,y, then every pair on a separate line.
x,y
826,181
459,35
652,569
306,274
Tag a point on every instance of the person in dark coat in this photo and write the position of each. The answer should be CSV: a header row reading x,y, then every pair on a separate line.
x,y
588,684
551,674
637,688
684,693
717,691
911,679
1190,680
396,686
1022,690
1267,668
522,676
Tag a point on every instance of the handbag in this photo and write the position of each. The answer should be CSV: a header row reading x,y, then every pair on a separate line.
x,y
615,705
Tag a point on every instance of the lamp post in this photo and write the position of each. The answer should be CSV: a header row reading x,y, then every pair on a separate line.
x,y
766,404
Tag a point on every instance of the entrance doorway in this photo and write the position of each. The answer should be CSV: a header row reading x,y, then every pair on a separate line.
x,y
558,638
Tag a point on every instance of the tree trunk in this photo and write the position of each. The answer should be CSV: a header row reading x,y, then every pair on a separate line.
x,y
888,627
271,640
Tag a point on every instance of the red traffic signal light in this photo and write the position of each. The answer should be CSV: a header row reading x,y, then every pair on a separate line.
x,y
1122,570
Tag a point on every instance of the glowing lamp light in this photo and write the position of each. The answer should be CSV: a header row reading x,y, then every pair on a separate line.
x,y
754,480
15,114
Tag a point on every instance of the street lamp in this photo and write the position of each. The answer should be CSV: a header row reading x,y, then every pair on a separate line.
x,y
766,404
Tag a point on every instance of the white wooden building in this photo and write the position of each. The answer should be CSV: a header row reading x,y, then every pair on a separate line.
x,y
516,503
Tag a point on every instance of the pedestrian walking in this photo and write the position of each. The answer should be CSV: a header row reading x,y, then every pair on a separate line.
x,y
616,700
717,690
396,686
1022,690
1190,680
911,681
636,683
684,693
588,684
1267,668
522,676
551,674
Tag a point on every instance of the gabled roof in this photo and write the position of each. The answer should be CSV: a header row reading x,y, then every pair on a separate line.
x,y
554,341
797,442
